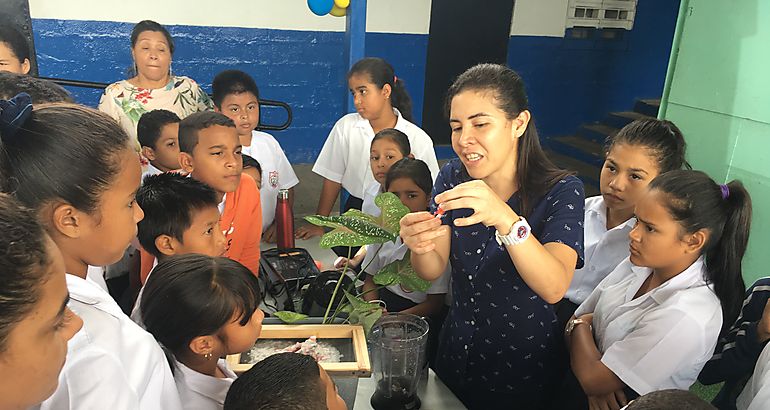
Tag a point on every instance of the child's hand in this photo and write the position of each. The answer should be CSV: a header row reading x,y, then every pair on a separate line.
x,y
308,231
418,230
269,236
763,327
612,401
488,208
340,262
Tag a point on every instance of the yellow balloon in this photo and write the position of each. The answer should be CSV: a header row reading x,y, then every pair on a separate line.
x,y
337,11
343,4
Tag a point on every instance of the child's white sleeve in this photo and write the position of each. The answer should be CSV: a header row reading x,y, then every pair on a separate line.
x,y
332,161
287,176
372,262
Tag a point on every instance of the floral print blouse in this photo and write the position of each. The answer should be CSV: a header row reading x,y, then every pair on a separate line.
x,y
126,103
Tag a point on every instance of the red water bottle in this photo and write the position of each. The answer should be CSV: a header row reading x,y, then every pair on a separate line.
x,y
284,220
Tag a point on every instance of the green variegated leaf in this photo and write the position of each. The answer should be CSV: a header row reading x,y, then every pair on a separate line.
x,y
363,312
289,317
350,229
392,210
402,273
355,213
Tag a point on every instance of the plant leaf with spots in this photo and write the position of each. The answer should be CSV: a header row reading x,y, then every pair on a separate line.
x,y
401,273
350,229
289,317
392,210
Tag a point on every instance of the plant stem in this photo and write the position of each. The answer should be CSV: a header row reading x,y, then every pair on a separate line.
x,y
337,287
358,277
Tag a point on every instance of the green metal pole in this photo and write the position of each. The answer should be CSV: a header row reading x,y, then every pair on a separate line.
x,y
683,11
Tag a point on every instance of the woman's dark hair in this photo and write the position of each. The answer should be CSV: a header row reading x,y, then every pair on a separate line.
x,y
396,136
411,168
286,381
23,264
697,202
196,295
535,173
662,137
149,25
62,152
380,72
11,36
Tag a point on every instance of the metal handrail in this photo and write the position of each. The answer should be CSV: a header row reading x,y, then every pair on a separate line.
x,y
262,102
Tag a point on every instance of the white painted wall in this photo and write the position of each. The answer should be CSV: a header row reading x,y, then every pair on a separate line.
x,y
383,16
545,18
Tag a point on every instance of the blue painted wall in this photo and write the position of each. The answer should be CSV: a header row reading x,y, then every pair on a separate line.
x,y
569,81
574,81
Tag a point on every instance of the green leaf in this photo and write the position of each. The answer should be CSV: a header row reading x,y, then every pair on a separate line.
x,y
350,229
289,317
392,210
402,273
368,319
363,312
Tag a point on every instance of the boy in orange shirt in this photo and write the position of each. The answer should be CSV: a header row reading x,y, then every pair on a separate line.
x,y
211,153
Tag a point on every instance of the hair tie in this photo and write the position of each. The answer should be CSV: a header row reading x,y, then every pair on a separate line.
x,y
395,79
725,191
13,114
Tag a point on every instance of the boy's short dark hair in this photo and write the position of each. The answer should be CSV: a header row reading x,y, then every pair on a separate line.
x,y
283,381
190,126
249,162
151,124
232,82
671,399
168,201
41,91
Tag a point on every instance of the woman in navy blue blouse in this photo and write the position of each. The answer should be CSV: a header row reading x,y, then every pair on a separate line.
x,y
513,231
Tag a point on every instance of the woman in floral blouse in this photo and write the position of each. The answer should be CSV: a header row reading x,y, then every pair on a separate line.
x,y
153,86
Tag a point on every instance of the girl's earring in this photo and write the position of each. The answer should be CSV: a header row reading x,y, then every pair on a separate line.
x,y
208,356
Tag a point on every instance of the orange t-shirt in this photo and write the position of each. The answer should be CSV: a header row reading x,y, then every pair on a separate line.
x,y
241,222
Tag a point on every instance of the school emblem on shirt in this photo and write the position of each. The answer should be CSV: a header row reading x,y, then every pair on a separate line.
x,y
273,179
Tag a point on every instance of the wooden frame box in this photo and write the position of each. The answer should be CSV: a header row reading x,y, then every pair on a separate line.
x,y
360,367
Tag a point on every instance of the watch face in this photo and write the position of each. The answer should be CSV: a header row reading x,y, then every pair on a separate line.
x,y
521,232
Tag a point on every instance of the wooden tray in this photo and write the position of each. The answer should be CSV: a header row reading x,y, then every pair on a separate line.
x,y
361,367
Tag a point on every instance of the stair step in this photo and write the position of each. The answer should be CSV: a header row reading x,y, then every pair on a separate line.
x,y
588,173
649,107
621,119
580,148
597,132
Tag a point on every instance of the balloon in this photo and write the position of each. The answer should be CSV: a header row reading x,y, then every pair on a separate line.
x,y
320,7
337,11
343,4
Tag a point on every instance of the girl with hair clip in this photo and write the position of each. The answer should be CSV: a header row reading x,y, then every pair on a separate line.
x,y
215,313
637,154
381,102
653,322
35,322
75,167
510,224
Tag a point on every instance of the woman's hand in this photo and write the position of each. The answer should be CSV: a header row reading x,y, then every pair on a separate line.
x,y
308,231
612,401
418,230
488,208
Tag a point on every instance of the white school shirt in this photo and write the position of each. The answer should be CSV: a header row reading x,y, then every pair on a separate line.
x,y
111,362
756,393
200,391
151,170
370,193
344,157
604,249
277,172
393,251
662,339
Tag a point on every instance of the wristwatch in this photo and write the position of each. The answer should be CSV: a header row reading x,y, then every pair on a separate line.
x,y
574,322
518,234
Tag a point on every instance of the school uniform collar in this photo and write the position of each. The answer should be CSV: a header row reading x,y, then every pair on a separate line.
x,y
598,209
692,277
213,388
362,122
88,292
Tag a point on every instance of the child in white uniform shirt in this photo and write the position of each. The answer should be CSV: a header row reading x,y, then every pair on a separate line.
x,y
236,95
756,394
76,167
201,309
381,102
654,321
638,153
158,134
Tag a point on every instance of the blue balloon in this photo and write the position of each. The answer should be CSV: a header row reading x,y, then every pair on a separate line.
x,y
320,7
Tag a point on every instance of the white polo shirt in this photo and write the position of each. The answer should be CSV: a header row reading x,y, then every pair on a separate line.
x,y
662,339
277,172
393,251
200,391
370,193
604,249
756,393
344,157
111,362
